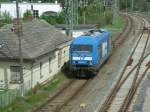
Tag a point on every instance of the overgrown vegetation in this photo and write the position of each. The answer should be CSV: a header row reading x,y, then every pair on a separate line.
x,y
138,5
95,13
55,18
5,18
116,26
34,97
27,15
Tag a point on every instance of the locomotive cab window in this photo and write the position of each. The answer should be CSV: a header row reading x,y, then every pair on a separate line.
x,y
82,48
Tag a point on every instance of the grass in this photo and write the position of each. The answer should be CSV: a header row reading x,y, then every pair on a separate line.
x,y
117,25
25,104
1,92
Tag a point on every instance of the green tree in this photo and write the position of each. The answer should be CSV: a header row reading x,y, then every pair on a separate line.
x,y
61,18
54,18
6,17
141,5
50,19
108,17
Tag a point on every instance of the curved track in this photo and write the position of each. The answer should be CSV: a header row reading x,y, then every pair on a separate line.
x,y
61,98
131,76
126,31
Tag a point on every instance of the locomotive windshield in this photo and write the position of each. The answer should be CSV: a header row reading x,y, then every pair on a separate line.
x,y
82,48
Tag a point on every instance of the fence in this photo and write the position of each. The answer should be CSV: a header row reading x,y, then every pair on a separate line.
x,y
7,97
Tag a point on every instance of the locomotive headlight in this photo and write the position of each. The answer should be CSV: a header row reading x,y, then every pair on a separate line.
x,y
89,62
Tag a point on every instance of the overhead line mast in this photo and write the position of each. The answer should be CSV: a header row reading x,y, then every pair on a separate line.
x,y
72,14
115,9
69,16
132,5
19,34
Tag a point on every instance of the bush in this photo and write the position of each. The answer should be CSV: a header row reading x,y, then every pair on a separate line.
x,y
108,17
54,19
61,18
27,15
50,19
6,17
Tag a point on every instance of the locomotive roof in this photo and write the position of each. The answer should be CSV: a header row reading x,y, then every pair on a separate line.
x,y
92,37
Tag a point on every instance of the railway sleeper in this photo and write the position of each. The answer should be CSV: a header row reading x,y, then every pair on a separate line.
x,y
148,64
130,61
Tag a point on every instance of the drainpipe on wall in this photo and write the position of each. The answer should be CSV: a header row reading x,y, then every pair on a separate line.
x,y
6,79
32,75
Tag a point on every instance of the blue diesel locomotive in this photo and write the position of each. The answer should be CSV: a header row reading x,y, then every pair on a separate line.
x,y
90,51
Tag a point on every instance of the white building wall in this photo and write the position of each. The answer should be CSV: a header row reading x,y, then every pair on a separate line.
x,y
46,66
5,72
23,7
32,71
35,75
2,82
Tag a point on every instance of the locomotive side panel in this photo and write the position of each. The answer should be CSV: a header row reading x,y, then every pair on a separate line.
x,y
83,59
104,48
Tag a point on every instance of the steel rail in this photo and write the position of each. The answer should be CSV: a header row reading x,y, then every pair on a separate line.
x,y
116,88
114,92
127,104
54,96
41,107
125,78
126,31
61,98
129,96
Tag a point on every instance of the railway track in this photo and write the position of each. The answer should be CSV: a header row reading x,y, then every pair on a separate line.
x,y
126,31
61,98
138,64
68,92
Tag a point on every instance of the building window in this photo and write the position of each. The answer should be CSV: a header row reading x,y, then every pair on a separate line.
x,y
50,69
15,74
35,13
59,58
41,76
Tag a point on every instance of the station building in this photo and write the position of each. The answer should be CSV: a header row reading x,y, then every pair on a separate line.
x,y
36,8
44,51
